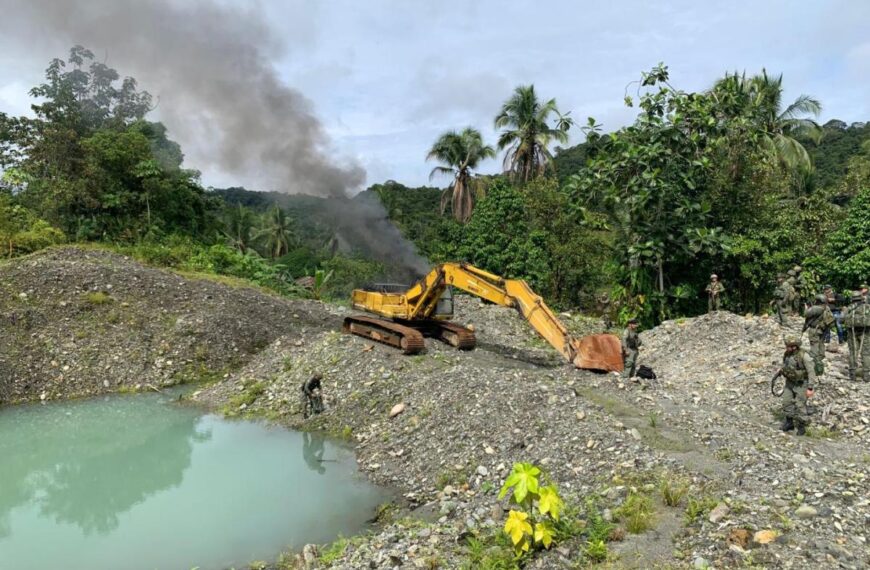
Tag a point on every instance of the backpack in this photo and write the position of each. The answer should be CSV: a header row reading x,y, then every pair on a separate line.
x,y
645,372
857,317
827,319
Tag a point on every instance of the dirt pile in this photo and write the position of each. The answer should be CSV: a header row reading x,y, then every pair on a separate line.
x,y
75,322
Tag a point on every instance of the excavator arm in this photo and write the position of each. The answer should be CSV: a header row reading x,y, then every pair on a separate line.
x,y
420,301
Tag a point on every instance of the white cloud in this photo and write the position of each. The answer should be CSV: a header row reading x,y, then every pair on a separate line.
x,y
387,76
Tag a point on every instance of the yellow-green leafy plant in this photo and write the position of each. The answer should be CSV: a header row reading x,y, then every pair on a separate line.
x,y
532,523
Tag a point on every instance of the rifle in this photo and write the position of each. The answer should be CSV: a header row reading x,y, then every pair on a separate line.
x,y
777,388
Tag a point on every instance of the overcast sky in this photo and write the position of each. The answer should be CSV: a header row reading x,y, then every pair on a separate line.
x,y
386,77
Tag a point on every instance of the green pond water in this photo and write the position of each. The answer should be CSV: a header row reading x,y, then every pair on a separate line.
x,y
139,483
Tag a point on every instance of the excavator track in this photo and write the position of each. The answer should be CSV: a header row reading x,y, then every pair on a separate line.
x,y
454,335
445,331
400,336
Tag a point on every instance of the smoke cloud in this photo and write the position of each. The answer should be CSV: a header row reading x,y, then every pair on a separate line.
x,y
210,65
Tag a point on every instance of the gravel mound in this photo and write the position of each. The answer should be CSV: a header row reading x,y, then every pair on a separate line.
x,y
75,322
465,417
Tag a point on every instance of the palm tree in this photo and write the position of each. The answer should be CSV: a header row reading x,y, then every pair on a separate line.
x,y
277,232
460,153
527,132
240,227
781,127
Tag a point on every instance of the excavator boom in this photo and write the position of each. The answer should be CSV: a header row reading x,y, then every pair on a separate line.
x,y
418,308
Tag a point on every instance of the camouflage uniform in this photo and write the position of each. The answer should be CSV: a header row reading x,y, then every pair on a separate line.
x,y
800,375
782,299
714,294
859,345
630,348
817,322
312,400
800,289
793,299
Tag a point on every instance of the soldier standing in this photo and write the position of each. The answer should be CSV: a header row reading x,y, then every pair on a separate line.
x,y
800,289
714,293
312,399
857,323
781,298
817,322
836,302
800,378
630,347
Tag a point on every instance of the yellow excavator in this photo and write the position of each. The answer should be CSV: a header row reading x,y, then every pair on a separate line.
x,y
405,315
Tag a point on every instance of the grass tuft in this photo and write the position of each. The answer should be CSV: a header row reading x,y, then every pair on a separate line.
x,y
673,491
98,298
636,512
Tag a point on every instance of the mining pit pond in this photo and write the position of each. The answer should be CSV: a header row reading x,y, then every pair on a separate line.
x,y
139,482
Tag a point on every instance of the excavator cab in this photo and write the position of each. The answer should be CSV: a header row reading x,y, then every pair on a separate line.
x,y
444,307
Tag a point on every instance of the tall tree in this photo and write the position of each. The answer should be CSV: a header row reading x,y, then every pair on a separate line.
x,y
527,132
460,153
782,125
277,233
240,227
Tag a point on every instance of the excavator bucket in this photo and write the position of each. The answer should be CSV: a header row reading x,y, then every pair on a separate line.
x,y
601,352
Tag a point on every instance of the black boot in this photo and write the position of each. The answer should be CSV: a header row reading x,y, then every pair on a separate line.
x,y
801,428
787,425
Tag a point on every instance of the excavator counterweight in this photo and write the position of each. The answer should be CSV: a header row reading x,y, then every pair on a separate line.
x,y
405,316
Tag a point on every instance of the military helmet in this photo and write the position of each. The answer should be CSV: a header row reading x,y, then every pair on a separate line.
x,y
857,296
632,321
821,299
793,340
714,276
827,288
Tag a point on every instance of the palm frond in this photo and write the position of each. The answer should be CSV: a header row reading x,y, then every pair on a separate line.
x,y
441,170
803,105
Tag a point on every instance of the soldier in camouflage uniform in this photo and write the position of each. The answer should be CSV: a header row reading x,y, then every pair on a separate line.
x,y
781,298
800,378
312,397
817,323
714,293
857,322
630,348
800,290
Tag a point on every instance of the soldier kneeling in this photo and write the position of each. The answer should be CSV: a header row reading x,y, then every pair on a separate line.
x,y
800,377
312,399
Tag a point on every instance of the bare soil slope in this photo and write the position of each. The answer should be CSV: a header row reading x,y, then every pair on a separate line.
x,y
75,322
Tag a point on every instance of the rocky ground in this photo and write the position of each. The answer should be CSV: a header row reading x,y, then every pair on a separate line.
x,y
699,447
754,497
69,316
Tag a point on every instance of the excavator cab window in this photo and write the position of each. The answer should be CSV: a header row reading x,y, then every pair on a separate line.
x,y
444,308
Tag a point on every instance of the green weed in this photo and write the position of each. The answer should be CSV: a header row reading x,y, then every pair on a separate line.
x,y
636,512
489,553
699,508
673,491
97,298
334,551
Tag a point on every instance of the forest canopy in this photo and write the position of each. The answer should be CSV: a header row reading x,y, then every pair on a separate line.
x,y
731,180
